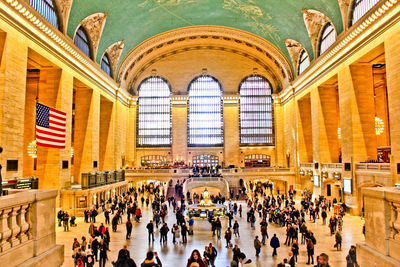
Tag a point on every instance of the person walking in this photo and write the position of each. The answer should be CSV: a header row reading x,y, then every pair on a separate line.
x,y
128,229
257,246
184,231
295,249
264,233
228,237
310,251
274,244
212,254
236,229
103,253
218,227
351,258
338,240
150,230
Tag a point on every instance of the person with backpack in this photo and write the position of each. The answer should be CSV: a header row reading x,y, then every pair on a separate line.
x,y
149,261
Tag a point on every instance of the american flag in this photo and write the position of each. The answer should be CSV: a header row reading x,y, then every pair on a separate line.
x,y
50,126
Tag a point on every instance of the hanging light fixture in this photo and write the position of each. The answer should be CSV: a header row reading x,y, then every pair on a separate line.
x,y
32,149
339,133
379,125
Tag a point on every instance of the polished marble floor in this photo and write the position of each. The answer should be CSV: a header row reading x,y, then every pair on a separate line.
x,y
176,255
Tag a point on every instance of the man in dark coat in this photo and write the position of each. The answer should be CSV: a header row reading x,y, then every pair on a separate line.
x,y
275,244
128,229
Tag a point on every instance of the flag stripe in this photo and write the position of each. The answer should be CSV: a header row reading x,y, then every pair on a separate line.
x,y
56,122
51,130
42,138
46,144
51,137
57,118
58,112
47,132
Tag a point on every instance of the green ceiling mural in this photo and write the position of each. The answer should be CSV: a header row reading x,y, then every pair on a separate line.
x,y
136,20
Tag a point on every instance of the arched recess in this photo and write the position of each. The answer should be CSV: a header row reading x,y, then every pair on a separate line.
x,y
315,22
194,38
114,53
94,25
64,9
295,51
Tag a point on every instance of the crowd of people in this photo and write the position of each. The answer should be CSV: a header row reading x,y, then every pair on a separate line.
x,y
263,209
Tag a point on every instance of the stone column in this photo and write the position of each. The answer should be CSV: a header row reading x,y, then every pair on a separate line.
x,y
179,132
392,58
131,136
106,144
357,113
86,134
304,130
55,90
231,134
13,63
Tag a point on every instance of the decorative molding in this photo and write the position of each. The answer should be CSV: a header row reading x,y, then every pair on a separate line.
x,y
184,37
344,10
270,74
315,21
114,53
94,25
64,9
294,48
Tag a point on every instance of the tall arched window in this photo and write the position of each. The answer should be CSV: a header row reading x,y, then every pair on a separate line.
x,y
82,41
205,124
154,113
304,62
105,64
328,37
256,111
47,9
360,8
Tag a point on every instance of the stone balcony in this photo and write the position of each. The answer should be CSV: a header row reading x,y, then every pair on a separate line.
x,y
27,229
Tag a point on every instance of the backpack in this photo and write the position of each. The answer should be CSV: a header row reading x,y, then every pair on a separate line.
x,y
314,241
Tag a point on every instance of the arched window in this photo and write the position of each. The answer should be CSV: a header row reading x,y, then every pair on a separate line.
x,y
154,113
360,8
328,37
256,111
105,64
82,41
304,62
205,112
47,9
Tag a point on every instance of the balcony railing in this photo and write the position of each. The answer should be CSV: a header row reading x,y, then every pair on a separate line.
x,y
373,167
27,228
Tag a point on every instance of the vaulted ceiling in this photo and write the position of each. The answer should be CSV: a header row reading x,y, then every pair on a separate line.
x,y
134,21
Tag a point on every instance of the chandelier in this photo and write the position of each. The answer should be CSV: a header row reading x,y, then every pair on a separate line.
x,y
379,126
32,149
339,133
